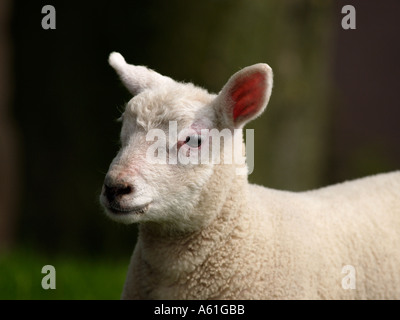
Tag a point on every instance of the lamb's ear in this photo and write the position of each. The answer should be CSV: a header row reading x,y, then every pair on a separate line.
x,y
245,95
136,78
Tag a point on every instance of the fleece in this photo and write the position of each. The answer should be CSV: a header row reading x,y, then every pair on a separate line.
x,y
272,244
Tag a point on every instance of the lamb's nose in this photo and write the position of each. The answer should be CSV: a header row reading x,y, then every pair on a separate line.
x,y
113,191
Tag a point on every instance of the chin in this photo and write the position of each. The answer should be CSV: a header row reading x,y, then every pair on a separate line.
x,y
125,218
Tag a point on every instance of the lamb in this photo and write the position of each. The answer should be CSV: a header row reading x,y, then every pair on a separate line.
x,y
206,233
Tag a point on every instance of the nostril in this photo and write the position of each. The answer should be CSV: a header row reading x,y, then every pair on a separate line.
x,y
109,192
117,190
125,190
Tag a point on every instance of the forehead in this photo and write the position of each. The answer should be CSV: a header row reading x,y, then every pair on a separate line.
x,y
183,103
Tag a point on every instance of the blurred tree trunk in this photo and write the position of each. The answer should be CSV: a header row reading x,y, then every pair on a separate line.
x,y
366,121
8,143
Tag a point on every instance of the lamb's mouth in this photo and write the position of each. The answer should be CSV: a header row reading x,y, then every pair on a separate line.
x,y
128,210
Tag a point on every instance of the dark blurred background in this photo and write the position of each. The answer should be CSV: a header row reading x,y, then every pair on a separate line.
x,y
334,113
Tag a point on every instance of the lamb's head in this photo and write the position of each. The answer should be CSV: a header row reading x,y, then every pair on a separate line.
x,y
168,152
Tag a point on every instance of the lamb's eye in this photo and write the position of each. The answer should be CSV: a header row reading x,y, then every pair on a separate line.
x,y
193,141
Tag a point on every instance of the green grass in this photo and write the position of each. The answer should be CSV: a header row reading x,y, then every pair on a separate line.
x,y
77,278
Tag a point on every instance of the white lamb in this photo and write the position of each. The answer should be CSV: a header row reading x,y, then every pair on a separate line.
x,y
206,233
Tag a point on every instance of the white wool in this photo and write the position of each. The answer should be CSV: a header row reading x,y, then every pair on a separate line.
x,y
206,233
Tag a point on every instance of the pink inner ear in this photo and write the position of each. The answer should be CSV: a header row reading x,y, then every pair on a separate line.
x,y
247,95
